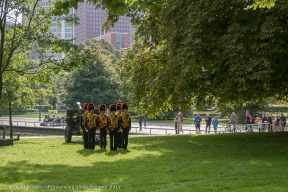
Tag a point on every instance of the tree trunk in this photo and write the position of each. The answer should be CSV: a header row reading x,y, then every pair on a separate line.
x,y
10,120
1,83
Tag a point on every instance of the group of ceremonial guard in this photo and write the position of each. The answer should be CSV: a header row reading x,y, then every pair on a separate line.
x,y
117,124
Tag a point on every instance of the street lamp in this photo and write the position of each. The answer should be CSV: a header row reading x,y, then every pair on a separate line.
x,y
39,108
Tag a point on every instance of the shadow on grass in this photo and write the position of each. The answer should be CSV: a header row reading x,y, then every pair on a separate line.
x,y
112,153
78,142
86,152
249,161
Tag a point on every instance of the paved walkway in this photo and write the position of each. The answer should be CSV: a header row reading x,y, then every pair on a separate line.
x,y
151,128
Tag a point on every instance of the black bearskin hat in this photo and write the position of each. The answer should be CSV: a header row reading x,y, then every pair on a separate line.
x,y
85,106
124,106
102,107
112,107
118,106
90,106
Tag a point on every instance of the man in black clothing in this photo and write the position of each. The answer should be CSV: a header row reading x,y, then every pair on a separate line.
x,y
264,121
208,120
140,121
269,119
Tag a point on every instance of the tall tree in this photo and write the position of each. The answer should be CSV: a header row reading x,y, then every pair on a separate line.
x,y
203,51
206,52
97,82
21,38
18,93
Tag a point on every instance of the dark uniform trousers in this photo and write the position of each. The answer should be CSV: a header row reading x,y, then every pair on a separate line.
x,y
113,139
85,139
124,138
120,133
91,138
103,136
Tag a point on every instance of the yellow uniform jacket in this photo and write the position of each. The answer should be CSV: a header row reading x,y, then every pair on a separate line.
x,y
102,120
92,120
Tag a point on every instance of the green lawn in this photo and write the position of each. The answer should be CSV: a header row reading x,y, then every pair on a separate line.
x,y
36,115
219,162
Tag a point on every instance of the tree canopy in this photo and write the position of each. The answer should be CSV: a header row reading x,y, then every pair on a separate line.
x,y
121,7
96,82
115,6
19,39
206,51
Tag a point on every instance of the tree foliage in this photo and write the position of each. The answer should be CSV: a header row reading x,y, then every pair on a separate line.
x,y
254,108
115,6
97,82
20,39
206,51
263,3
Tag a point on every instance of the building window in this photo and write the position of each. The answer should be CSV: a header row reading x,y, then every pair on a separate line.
x,y
68,29
118,45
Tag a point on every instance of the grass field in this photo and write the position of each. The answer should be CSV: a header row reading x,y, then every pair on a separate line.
x,y
35,115
220,162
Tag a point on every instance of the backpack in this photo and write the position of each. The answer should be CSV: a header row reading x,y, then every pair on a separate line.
x,y
250,118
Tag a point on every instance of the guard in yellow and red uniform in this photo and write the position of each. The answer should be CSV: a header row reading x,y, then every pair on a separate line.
x,y
113,125
92,117
118,113
102,125
84,125
126,125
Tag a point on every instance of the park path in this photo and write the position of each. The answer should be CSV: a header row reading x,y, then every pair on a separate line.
x,y
151,128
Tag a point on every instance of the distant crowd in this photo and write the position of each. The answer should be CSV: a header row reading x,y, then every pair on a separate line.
x,y
266,122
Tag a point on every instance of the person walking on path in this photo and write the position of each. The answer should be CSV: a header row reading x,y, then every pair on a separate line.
x,y
277,123
208,123
215,124
233,119
270,121
259,123
265,124
140,121
283,122
181,116
248,121
177,121
197,123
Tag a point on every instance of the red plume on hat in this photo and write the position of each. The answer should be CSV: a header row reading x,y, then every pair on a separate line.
x,y
112,107
118,106
90,106
124,106
102,107
85,106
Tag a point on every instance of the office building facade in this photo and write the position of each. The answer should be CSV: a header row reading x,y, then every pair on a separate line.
x,y
65,31
91,21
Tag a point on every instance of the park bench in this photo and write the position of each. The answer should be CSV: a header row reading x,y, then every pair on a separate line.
x,y
4,141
